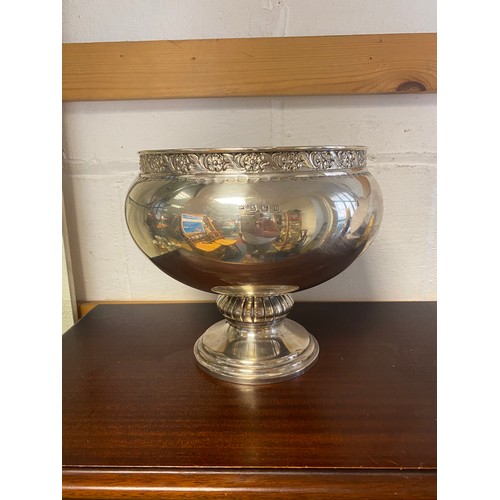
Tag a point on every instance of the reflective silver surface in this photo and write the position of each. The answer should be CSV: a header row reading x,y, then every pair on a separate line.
x,y
256,224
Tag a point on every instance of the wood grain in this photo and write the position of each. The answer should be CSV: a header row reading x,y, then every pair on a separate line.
x,y
84,308
244,484
320,65
141,420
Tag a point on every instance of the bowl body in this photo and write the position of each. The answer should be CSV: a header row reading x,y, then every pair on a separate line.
x,y
254,217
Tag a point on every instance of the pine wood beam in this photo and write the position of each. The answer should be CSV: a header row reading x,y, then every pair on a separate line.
x,y
319,65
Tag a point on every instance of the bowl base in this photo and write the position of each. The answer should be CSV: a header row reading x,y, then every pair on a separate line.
x,y
256,355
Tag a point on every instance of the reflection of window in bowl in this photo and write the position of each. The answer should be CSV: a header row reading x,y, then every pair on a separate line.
x,y
192,224
253,234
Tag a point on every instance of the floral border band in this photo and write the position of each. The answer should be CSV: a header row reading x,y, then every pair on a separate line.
x,y
252,161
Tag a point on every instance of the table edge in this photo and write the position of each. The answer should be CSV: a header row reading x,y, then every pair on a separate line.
x,y
156,482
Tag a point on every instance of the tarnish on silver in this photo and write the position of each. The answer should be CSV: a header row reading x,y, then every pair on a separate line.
x,y
254,225
253,161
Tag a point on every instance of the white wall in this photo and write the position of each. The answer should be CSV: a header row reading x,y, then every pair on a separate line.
x,y
115,20
101,140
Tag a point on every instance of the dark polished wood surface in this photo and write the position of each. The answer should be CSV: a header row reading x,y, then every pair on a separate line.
x,y
140,420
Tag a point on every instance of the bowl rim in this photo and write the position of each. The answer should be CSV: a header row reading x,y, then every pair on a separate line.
x,y
264,149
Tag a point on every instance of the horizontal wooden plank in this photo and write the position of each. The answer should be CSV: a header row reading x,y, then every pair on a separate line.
x,y
84,308
240,483
321,65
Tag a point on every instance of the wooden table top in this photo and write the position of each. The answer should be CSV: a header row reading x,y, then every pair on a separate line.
x,y
138,412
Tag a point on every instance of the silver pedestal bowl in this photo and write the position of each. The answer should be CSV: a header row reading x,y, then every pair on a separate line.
x,y
254,225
